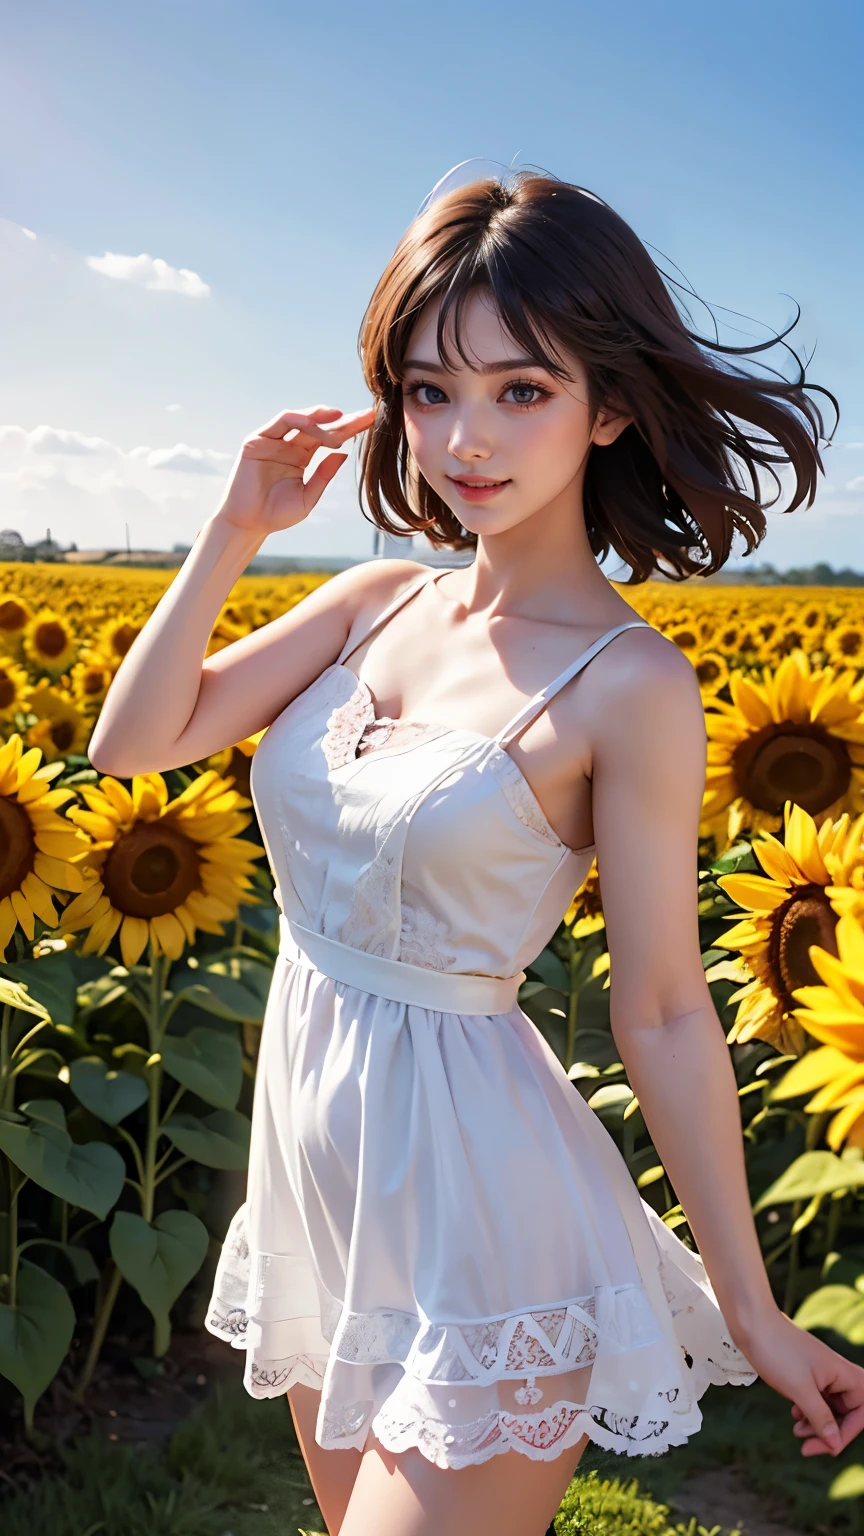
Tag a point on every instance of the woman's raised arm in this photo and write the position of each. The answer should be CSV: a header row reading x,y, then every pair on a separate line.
x,y
168,705
649,763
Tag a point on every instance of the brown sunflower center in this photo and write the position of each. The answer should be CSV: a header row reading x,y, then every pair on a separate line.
x,y
12,615
123,636
151,870
17,846
686,639
708,670
62,734
806,918
93,680
7,689
51,638
784,762
850,643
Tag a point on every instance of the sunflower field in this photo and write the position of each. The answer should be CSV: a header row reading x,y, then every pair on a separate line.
x,y
138,934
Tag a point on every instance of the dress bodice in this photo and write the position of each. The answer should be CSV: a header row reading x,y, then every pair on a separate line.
x,y
415,842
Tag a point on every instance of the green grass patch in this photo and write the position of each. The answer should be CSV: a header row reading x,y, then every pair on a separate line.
x,y
235,1469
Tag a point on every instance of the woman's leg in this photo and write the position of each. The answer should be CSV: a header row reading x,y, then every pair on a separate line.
x,y
407,1495
331,1473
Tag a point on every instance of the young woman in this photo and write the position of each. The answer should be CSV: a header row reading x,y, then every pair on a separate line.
x,y
443,1259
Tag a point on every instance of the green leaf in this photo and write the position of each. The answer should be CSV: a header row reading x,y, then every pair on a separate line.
x,y
611,1094
35,1334
551,970
16,995
45,1112
207,1063
845,1268
51,981
90,1176
158,1260
736,860
815,1173
109,1093
839,1307
220,1140
219,994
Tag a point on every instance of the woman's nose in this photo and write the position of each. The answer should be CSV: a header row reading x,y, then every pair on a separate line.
x,y
468,440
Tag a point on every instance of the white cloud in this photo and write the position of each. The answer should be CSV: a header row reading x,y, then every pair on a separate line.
x,y
60,440
192,461
150,272
28,232
173,407
855,485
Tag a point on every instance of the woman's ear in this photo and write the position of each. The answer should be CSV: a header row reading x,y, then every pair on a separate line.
x,y
610,423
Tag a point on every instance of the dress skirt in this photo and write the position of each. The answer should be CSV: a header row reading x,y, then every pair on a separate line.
x,y
442,1238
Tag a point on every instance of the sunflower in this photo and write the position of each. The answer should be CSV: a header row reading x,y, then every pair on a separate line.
x,y
115,639
91,679
15,615
845,645
40,853
164,868
834,1014
584,915
712,671
685,636
14,689
235,763
60,727
788,908
49,643
798,735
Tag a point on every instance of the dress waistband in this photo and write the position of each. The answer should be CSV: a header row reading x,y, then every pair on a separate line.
x,y
443,991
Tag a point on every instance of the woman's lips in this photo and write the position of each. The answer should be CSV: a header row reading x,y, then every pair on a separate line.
x,y
478,490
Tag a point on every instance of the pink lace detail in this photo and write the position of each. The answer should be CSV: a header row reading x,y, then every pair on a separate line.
x,y
520,797
345,727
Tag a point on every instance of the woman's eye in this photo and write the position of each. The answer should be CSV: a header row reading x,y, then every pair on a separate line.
x,y
427,394
525,394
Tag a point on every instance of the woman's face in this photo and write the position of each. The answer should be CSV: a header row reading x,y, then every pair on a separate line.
x,y
501,440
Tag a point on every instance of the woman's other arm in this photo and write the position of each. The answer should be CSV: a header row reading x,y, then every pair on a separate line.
x,y
649,766
170,704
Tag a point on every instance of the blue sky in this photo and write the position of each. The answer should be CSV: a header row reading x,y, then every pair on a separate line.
x,y
265,158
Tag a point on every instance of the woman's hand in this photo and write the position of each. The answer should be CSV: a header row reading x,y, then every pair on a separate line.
x,y
266,490
826,1391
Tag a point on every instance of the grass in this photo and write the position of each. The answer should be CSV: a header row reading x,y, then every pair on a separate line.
x,y
235,1469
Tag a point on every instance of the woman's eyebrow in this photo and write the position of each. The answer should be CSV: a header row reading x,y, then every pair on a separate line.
x,y
427,366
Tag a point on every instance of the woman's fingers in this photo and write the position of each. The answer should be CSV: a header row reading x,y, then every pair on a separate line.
x,y
310,425
318,482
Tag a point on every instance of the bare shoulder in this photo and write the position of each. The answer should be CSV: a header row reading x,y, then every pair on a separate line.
x,y
372,584
639,689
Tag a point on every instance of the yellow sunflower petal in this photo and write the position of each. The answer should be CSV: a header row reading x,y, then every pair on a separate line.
x,y
754,891
170,934
134,935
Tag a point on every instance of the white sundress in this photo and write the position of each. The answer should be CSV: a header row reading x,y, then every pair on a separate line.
x,y
439,1234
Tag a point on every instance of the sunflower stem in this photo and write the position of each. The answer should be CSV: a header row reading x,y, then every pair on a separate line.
x,y
156,1028
167,1172
100,1328
6,1082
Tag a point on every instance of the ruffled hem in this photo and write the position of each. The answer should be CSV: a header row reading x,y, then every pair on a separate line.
x,y
393,1371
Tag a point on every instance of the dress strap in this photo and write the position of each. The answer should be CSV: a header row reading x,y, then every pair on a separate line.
x,y
353,643
529,711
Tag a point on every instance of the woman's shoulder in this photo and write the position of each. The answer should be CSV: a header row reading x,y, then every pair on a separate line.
x,y
638,681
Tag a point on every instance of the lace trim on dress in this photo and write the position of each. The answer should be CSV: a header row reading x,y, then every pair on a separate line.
x,y
534,1345
521,797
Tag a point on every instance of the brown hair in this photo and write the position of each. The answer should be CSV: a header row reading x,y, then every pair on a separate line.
x,y
567,274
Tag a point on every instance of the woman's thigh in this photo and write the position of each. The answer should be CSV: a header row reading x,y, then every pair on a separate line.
x,y
407,1495
331,1473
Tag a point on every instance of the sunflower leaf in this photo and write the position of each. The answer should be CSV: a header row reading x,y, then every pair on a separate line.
x,y
220,1140
551,970
109,1093
90,1176
218,994
736,860
838,1307
15,994
812,1174
51,981
207,1063
158,1260
35,1333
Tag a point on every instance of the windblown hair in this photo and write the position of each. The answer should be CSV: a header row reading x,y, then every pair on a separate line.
x,y
568,276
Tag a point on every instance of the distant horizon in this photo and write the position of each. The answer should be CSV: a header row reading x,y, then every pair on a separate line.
x,y
171,279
